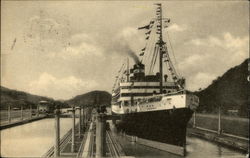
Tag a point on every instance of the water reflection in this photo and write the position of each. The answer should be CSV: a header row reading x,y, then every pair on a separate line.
x,y
32,139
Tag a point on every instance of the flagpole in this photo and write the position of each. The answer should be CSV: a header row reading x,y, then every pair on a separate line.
x,y
160,52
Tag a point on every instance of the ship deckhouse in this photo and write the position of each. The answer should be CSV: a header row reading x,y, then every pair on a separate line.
x,y
139,85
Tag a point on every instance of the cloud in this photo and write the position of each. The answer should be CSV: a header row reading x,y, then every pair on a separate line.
x,y
128,32
235,48
77,39
79,45
212,56
200,80
227,41
176,28
83,50
59,88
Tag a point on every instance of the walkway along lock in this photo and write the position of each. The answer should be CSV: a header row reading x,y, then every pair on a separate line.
x,y
100,135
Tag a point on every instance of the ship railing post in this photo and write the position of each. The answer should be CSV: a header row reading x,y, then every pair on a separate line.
x,y
100,135
73,130
9,113
57,133
21,112
194,120
219,120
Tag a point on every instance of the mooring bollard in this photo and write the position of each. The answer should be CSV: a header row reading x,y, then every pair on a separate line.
x,y
9,113
57,133
21,112
100,135
73,130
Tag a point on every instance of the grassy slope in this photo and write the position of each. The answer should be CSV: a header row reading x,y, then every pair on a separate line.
x,y
231,91
16,98
92,98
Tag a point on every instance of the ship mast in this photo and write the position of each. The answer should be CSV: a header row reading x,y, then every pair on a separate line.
x,y
160,43
161,50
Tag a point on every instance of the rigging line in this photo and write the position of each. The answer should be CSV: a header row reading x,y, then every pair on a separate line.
x,y
152,60
169,62
149,41
155,57
152,53
119,72
149,51
173,52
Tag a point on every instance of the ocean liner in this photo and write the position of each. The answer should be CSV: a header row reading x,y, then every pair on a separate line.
x,y
153,105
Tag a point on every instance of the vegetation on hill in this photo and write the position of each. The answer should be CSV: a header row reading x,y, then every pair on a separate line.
x,y
17,98
230,91
93,98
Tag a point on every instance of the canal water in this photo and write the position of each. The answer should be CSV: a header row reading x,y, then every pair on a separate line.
x,y
196,148
34,139
31,139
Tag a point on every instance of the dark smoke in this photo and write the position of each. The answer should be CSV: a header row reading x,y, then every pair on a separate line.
x,y
124,49
132,54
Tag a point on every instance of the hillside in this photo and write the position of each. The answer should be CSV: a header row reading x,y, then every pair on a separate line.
x,y
231,91
16,98
92,98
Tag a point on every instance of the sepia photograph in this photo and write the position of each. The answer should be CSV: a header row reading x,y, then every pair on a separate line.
x,y
125,79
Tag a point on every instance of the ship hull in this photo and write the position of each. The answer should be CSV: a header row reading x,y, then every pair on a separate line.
x,y
165,126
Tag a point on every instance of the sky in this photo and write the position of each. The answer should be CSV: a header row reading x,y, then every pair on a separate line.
x,y
61,49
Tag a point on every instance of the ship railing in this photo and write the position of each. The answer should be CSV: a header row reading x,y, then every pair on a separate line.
x,y
158,97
